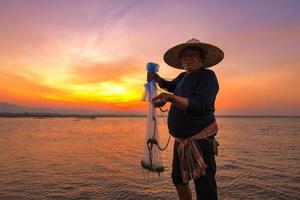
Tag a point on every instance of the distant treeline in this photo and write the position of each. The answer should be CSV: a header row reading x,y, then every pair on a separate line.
x,y
43,115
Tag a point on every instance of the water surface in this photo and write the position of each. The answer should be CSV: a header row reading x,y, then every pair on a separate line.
x,y
73,158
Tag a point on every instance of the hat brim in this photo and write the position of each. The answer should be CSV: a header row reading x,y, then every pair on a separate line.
x,y
212,54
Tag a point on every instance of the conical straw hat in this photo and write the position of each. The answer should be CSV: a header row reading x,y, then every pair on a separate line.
x,y
212,55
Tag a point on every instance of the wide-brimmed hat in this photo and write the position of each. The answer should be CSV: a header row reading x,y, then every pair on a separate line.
x,y
211,55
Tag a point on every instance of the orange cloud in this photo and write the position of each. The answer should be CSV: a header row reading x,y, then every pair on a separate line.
x,y
116,84
261,92
93,72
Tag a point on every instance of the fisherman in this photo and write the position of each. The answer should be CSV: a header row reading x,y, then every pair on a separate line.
x,y
191,119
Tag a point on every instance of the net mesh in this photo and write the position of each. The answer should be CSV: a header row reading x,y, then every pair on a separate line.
x,y
152,156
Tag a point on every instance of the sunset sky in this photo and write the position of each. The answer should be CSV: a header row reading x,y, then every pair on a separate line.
x,y
92,54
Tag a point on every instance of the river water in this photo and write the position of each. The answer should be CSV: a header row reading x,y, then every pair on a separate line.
x,y
78,158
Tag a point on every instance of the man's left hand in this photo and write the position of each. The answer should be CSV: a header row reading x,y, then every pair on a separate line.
x,y
161,99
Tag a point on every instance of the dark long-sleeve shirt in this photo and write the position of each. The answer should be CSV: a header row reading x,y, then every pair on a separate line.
x,y
200,88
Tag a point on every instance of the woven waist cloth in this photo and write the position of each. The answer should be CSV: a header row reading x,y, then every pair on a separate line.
x,y
191,160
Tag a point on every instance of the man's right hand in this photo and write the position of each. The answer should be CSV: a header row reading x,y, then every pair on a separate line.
x,y
153,76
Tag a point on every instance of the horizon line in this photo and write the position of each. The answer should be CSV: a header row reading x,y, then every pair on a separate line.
x,y
43,114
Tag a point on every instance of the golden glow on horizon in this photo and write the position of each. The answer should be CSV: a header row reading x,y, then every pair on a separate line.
x,y
114,92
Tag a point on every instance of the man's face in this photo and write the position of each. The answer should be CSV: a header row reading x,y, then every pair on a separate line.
x,y
190,59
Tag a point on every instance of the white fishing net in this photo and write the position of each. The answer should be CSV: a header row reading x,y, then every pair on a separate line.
x,y
152,155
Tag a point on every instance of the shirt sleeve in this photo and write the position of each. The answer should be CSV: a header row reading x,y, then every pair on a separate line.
x,y
205,95
170,85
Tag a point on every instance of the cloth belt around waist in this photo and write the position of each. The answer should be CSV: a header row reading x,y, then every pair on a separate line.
x,y
192,164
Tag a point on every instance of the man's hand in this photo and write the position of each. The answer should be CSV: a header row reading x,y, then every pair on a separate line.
x,y
161,99
153,76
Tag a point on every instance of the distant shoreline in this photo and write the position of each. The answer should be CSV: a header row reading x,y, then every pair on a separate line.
x,y
57,115
92,116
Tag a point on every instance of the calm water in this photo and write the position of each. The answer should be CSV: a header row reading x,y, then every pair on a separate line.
x,y
71,158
